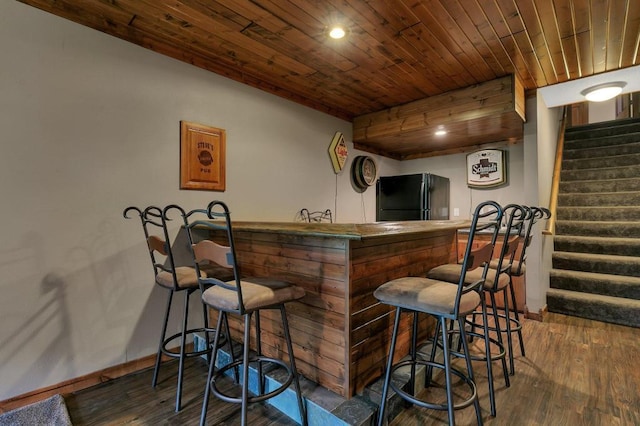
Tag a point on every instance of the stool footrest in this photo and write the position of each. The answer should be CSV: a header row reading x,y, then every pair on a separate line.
x,y
176,354
256,398
426,404
494,357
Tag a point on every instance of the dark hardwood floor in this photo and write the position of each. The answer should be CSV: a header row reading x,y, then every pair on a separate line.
x,y
576,372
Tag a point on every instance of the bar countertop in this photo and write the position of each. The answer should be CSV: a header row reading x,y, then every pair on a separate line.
x,y
351,231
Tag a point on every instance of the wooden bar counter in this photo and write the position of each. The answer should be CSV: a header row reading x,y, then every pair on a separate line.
x,y
340,331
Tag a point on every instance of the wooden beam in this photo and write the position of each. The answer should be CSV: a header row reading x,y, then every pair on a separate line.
x,y
413,125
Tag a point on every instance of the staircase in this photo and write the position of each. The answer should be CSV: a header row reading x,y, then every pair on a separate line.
x,y
596,259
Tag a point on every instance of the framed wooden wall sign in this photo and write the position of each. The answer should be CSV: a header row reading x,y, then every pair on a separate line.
x,y
202,157
486,168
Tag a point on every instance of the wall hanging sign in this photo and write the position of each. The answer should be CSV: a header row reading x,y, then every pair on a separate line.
x,y
338,152
363,172
202,157
486,168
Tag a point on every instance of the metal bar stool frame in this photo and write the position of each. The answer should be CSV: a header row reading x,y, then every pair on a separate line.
x,y
226,256
516,269
154,218
404,293
515,218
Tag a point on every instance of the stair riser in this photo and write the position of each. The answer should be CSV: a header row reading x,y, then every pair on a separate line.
x,y
597,311
603,287
628,269
570,246
627,230
612,185
607,199
602,142
600,130
610,151
624,172
601,162
611,214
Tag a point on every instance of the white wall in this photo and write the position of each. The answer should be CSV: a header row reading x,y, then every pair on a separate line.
x,y
455,168
541,152
602,111
90,125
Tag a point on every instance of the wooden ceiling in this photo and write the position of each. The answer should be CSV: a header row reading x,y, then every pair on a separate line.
x,y
395,51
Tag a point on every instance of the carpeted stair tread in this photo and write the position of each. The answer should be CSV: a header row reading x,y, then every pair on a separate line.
x,y
598,263
621,198
582,152
603,129
602,142
601,162
618,229
599,213
600,185
597,245
617,310
619,172
589,282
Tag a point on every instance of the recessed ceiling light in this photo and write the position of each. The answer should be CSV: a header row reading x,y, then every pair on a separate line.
x,y
603,92
337,32
440,132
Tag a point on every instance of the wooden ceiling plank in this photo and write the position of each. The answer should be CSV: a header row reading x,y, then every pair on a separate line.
x,y
79,13
547,19
384,29
533,37
581,15
294,41
599,30
520,58
464,15
511,16
445,78
617,17
631,35
397,13
222,33
203,17
566,32
373,24
482,21
533,61
450,42
484,55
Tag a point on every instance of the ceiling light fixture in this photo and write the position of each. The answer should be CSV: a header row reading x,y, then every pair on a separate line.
x,y
603,92
337,32
440,132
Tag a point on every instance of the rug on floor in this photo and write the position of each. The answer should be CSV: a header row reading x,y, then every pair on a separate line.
x,y
50,412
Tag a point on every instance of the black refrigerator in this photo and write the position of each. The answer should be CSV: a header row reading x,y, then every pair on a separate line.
x,y
422,196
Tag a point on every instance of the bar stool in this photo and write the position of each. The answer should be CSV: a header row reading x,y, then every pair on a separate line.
x,y
517,268
445,302
174,279
495,282
245,297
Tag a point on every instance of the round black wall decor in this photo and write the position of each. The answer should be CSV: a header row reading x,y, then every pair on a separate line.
x,y
363,172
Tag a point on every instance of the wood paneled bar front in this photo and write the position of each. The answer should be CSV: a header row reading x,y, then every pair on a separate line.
x,y
340,332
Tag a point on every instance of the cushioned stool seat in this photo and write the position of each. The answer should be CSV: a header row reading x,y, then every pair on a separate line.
x,y
445,302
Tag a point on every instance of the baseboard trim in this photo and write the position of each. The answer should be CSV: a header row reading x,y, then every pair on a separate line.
x,y
536,316
82,382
